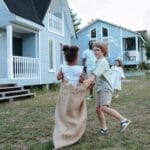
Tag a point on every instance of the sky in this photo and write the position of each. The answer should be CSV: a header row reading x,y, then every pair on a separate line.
x,y
131,14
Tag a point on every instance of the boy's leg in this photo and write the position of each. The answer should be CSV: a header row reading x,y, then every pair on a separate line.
x,y
112,112
101,118
124,122
91,92
116,93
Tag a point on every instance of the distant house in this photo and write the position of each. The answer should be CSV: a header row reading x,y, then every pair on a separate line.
x,y
123,43
32,33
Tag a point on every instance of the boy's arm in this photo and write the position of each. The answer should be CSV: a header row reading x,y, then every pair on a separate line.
x,y
87,83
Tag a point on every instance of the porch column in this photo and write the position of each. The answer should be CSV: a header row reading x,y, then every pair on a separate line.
x,y
9,52
39,49
121,45
137,48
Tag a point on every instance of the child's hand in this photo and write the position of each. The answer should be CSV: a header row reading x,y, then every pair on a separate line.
x,y
87,83
91,86
60,75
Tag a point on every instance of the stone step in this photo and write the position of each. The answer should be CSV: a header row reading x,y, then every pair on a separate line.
x,y
5,89
11,93
17,97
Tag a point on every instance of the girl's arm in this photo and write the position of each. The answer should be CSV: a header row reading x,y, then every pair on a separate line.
x,y
82,77
122,74
60,75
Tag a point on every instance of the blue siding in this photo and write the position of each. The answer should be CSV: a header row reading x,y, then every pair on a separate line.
x,y
3,56
115,34
50,77
5,15
29,48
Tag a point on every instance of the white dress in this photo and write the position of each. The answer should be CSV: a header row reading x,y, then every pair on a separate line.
x,y
116,74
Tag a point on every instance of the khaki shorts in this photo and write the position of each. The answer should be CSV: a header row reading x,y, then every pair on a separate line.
x,y
103,98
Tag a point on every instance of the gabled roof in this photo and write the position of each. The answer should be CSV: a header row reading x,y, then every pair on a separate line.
x,y
33,10
99,20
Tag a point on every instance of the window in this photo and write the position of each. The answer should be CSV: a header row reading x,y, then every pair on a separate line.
x,y
129,44
104,32
93,33
56,23
105,38
51,55
61,54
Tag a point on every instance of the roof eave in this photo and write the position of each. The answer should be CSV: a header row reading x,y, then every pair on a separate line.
x,y
29,23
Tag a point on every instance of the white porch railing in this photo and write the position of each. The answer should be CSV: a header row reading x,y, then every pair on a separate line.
x,y
25,67
130,55
55,24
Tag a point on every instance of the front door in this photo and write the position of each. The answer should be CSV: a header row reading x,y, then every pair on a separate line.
x,y
17,46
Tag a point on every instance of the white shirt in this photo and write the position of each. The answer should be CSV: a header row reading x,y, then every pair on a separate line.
x,y
72,73
90,59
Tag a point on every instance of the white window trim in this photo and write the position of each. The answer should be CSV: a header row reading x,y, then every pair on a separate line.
x,y
90,34
103,38
102,32
54,57
61,42
49,30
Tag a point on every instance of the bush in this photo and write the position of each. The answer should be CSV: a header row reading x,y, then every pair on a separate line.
x,y
144,66
130,68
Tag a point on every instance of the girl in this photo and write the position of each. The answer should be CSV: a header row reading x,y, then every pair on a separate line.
x,y
71,111
104,89
117,75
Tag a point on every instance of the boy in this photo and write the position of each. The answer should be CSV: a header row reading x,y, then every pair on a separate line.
x,y
101,76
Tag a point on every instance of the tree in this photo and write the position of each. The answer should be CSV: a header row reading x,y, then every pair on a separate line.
x,y
147,44
75,20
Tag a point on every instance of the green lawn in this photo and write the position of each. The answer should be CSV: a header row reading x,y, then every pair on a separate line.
x,y
28,125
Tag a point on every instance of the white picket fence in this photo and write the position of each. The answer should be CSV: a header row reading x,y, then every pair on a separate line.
x,y
25,67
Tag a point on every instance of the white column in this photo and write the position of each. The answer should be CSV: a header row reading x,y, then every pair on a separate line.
x,y
39,50
137,53
9,52
121,45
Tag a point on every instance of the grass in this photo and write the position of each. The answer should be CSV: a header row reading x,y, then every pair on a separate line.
x,y
28,125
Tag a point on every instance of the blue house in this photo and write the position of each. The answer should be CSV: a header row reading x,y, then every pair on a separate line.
x,y
32,33
122,43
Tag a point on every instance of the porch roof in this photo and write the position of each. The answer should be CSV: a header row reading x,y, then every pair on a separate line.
x,y
33,10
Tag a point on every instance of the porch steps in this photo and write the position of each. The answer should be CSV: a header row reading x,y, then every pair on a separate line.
x,y
16,92
6,85
5,89
10,92
16,97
